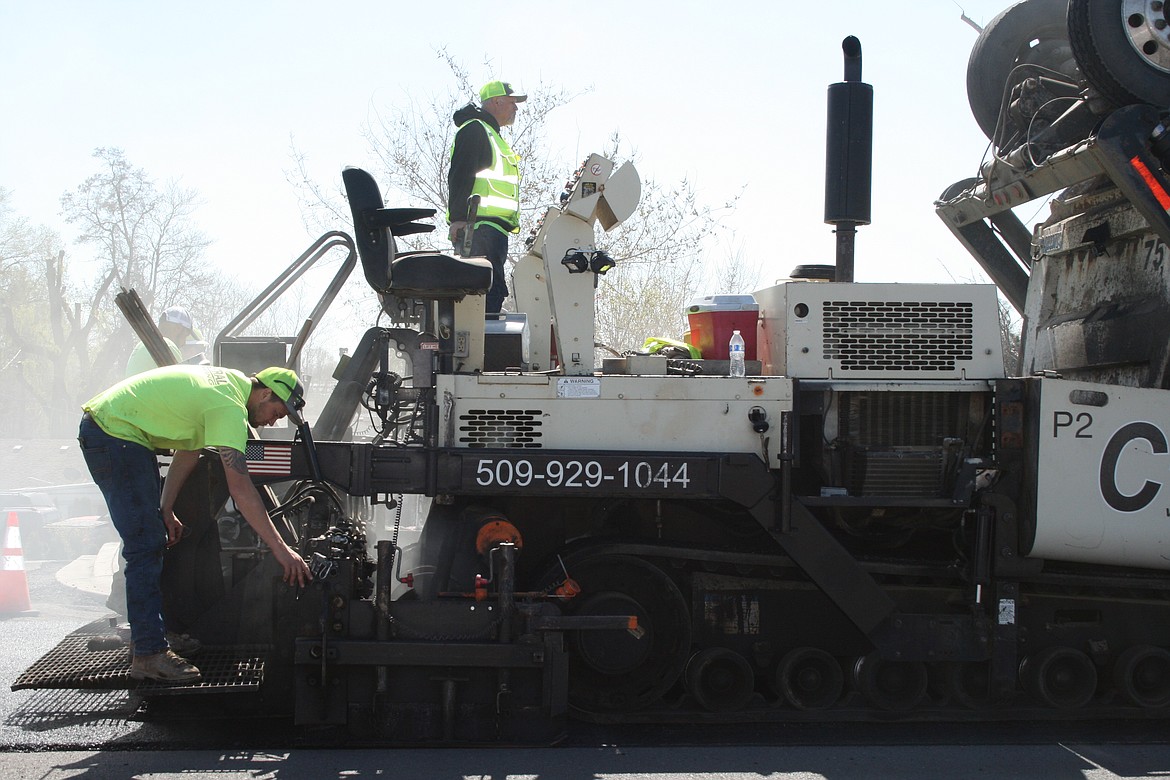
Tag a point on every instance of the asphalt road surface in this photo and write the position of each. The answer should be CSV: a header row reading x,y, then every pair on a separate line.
x,y
95,735
1054,762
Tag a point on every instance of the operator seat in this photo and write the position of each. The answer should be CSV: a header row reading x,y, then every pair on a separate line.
x,y
425,275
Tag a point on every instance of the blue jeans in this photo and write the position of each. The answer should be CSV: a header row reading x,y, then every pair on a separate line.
x,y
492,244
128,476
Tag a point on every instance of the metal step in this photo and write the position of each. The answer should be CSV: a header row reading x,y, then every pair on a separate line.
x,y
93,658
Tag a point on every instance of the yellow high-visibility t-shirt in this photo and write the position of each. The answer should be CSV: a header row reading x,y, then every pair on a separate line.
x,y
177,408
140,359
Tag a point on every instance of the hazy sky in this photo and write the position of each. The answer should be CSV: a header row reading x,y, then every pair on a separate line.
x,y
730,95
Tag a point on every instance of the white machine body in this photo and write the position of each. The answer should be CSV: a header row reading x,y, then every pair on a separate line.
x,y
825,330
1103,475
546,289
619,413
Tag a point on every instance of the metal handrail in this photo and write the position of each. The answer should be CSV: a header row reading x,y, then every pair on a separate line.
x,y
286,279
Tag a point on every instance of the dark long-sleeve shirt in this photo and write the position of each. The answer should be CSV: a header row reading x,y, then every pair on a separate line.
x,y
471,154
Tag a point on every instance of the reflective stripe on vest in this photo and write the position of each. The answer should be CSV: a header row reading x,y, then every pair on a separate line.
x,y
498,186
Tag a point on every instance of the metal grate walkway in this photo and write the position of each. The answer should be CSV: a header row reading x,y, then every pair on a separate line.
x,y
92,658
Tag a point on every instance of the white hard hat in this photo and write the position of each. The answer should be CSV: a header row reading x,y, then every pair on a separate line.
x,y
178,315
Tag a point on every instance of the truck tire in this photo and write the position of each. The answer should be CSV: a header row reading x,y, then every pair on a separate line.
x,y
1121,51
1031,32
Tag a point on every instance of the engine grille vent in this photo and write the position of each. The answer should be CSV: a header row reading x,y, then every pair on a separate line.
x,y
898,335
906,472
518,428
904,419
902,443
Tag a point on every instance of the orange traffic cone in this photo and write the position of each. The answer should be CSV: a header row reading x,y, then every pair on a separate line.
x,y
13,580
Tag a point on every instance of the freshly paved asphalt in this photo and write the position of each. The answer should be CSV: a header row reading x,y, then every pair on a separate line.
x,y
97,735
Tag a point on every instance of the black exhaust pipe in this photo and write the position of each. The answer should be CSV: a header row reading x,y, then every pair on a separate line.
x,y
849,157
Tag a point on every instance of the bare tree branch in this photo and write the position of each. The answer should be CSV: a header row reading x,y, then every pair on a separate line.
x,y
661,251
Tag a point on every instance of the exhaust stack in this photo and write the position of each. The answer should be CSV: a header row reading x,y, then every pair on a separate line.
x,y
849,157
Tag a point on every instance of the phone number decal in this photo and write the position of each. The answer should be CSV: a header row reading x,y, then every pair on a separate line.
x,y
652,475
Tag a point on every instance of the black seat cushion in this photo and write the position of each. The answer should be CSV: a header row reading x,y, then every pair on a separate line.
x,y
433,275
426,274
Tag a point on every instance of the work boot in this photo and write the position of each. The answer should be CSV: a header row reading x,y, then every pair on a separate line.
x,y
164,667
184,644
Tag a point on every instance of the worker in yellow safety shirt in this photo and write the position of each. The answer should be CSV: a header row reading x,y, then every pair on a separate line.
x,y
181,336
186,345
483,164
185,409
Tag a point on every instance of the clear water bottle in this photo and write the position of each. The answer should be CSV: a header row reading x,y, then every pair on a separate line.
x,y
735,351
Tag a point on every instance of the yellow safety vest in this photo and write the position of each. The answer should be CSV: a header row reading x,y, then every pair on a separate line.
x,y
498,186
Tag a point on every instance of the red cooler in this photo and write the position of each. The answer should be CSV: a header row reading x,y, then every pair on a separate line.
x,y
713,318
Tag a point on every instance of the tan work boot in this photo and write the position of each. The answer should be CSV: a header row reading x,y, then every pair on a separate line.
x,y
184,645
164,667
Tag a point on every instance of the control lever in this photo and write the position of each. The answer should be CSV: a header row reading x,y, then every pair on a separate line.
x,y
310,449
469,230
569,588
